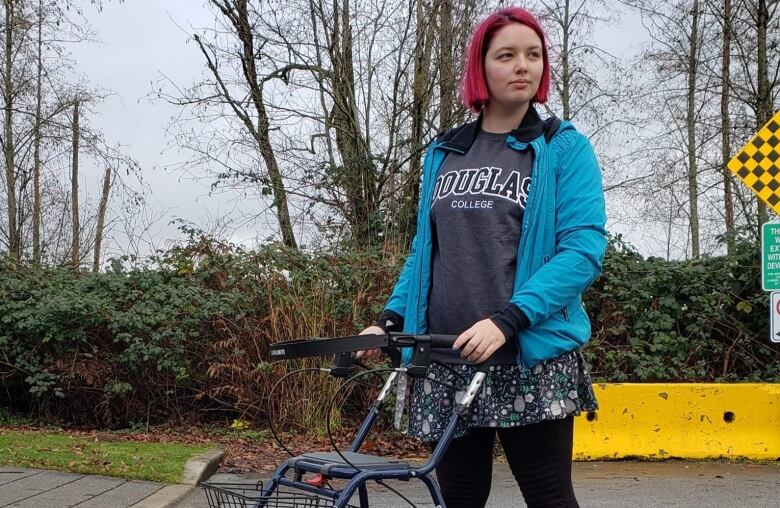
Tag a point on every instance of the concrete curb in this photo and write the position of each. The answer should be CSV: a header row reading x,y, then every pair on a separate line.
x,y
196,470
201,467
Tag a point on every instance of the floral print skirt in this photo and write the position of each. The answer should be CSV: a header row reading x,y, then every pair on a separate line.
x,y
511,395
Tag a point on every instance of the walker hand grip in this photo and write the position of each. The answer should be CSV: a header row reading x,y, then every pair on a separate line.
x,y
442,341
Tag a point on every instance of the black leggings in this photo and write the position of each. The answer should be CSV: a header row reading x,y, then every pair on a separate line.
x,y
538,454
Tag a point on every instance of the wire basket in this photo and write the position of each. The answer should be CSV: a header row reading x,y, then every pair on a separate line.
x,y
250,495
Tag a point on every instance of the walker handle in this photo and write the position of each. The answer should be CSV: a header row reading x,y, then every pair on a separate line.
x,y
442,341
319,347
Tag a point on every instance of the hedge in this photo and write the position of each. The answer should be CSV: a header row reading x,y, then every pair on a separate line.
x,y
186,333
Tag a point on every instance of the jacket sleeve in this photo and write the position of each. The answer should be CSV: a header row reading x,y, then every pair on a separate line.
x,y
398,298
397,301
580,236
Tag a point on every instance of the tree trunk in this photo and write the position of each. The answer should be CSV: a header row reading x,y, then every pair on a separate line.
x,y
74,191
447,78
764,102
14,242
263,126
238,15
356,176
37,148
420,101
693,190
565,91
728,199
101,219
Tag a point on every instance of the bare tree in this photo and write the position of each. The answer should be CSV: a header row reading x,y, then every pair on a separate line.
x,y
421,97
681,119
582,88
448,81
37,141
356,173
41,141
355,91
74,191
590,86
9,93
342,118
692,73
236,13
101,220
725,115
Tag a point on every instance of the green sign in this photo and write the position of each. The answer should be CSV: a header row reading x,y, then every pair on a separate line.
x,y
770,256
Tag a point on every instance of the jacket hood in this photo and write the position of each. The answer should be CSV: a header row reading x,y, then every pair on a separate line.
x,y
531,127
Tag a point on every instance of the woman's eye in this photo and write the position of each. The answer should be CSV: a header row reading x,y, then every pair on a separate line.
x,y
505,55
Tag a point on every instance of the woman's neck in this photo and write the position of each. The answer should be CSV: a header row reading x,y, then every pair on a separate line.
x,y
500,119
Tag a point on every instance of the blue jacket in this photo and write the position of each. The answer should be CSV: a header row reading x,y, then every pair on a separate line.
x,y
560,252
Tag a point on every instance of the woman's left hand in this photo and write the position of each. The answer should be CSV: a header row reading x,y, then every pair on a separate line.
x,y
480,341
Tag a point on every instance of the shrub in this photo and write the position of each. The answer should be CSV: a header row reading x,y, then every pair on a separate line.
x,y
698,320
187,334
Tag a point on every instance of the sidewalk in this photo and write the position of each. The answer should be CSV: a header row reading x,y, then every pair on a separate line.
x,y
31,488
608,485
598,484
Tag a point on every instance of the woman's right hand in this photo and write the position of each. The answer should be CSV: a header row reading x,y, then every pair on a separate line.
x,y
368,353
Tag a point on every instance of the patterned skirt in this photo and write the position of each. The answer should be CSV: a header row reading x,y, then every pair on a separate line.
x,y
511,395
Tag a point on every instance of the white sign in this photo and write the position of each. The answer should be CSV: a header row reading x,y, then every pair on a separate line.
x,y
774,317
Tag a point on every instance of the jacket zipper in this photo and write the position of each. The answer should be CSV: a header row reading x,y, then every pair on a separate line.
x,y
529,206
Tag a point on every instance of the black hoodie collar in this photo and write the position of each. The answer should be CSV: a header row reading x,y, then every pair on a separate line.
x,y
531,127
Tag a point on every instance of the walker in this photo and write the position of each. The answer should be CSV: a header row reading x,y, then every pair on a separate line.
x,y
356,468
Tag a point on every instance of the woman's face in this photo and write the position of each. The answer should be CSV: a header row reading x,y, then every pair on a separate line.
x,y
514,65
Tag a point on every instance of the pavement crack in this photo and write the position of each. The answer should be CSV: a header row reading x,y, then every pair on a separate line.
x,y
20,478
40,492
101,493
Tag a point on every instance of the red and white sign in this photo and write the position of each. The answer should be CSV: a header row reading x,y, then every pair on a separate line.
x,y
774,317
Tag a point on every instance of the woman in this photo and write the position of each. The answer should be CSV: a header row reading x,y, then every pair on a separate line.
x,y
510,233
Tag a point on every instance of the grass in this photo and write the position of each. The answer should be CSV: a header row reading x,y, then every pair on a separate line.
x,y
159,462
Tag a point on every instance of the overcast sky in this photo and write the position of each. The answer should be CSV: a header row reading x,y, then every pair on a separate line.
x,y
140,40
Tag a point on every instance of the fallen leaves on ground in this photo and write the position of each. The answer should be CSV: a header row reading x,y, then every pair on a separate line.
x,y
242,456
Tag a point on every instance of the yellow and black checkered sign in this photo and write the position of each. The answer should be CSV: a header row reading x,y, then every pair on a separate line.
x,y
757,163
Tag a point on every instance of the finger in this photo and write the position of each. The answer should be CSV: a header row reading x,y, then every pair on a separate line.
x,y
463,338
487,354
471,346
478,351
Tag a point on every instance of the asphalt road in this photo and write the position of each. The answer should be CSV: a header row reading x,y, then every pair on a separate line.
x,y
610,484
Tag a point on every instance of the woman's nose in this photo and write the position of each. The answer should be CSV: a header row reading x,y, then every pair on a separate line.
x,y
520,65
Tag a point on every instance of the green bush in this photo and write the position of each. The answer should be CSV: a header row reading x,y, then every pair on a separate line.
x,y
698,320
187,334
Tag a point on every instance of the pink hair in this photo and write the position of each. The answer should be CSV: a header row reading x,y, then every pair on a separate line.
x,y
473,88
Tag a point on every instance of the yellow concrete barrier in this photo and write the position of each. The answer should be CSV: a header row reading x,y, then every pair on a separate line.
x,y
682,420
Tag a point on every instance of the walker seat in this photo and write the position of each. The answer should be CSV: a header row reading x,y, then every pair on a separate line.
x,y
331,464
